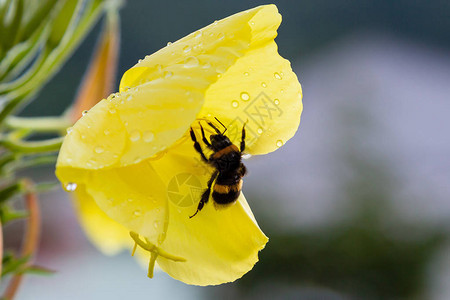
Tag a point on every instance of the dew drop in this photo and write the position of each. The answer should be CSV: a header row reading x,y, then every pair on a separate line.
x,y
83,137
221,36
279,143
245,96
252,23
263,84
276,101
277,76
215,22
198,34
84,112
246,74
259,130
191,62
282,91
148,136
69,130
137,213
130,200
234,104
169,43
99,149
139,61
206,66
167,74
155,224
112,110
135,136
129,97
187,48
69,160
110,200
106,132
221,69
70,187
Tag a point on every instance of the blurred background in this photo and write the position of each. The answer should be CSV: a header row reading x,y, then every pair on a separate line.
x,y
356,205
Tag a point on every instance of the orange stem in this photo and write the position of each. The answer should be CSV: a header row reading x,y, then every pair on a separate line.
x,y
31,236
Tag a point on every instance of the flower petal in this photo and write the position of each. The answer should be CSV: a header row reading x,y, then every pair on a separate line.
x,y
133,196
219,245
260,88
105,233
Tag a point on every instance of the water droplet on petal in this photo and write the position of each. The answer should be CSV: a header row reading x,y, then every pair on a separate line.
x,y
221,69
279,143
277,76
148,136
155,224
84,112
263,84
137,213
215,22
245,96
83,137
191,62
99,149
70,187
169,43
187,48
276,101
246,74
252,23
135,136
106,132
112,110
130,200
69,130
234,104
259,130
206,66
221,36
198,34
129,97
167,74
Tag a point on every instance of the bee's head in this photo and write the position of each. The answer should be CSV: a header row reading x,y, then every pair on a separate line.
x,y
219,141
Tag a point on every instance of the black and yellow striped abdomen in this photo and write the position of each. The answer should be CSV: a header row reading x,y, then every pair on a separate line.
x,y
224,194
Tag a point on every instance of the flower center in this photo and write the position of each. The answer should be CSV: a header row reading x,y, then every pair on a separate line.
x,y
154,252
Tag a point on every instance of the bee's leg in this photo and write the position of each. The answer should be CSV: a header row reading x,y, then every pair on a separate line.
x,y
205,195
197,145
243,138
214,127
205,140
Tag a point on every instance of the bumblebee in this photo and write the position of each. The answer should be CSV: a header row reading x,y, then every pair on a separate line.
x,y
229,169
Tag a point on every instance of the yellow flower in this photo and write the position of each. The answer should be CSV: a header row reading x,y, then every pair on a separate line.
x,y
133,163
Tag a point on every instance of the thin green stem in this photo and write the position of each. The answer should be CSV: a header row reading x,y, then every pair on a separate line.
x,y
32,146
38,124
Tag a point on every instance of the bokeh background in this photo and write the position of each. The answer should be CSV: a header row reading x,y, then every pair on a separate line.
x,y
356,205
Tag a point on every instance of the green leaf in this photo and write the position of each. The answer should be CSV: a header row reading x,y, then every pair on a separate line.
x,y
8,214
10,190
11,264
11,29
67,15
38,270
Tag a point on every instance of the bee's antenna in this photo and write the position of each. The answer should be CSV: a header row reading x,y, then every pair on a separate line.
x,y
222,125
